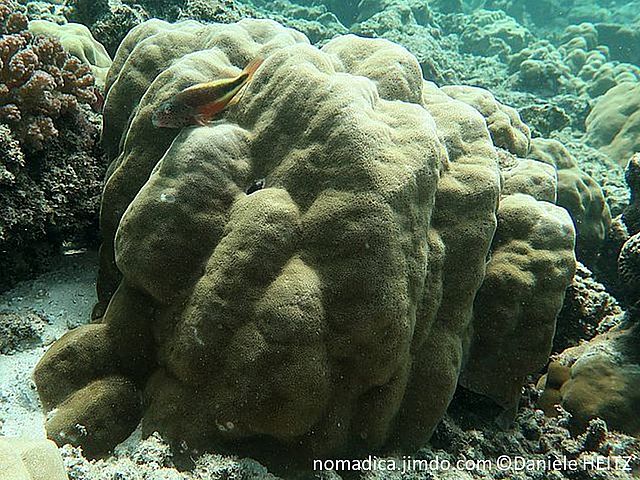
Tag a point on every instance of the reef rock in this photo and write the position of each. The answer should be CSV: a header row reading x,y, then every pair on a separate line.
x,y
493,33
631,212
331,311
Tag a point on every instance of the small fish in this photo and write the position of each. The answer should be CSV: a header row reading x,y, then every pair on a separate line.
x,y
198,104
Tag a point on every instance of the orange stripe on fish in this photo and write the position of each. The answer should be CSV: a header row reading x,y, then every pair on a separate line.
x,y
200,103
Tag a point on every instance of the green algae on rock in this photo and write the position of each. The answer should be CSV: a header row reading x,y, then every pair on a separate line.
x,y
333,310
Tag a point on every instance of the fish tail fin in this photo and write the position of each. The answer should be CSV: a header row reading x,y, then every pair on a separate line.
x,y
252,67
248,71
238,96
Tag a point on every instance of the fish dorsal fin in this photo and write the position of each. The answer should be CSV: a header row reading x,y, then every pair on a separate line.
x,y
201,85
230,94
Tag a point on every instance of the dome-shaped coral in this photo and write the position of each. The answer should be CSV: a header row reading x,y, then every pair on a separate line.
x,y
579,193
614,122
329,311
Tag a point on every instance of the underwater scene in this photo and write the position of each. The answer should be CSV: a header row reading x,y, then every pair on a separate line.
x,y
319,239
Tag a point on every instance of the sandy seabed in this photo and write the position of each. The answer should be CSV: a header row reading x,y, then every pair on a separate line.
x,y
62,298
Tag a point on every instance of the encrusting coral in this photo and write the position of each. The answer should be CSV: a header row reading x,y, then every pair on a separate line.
x,y
335,308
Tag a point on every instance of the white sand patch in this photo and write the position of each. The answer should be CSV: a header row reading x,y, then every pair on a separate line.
x,y
63,297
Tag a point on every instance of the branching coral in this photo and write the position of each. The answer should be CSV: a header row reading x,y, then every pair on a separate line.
x,y
39,80
50,168
78,41
12,18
